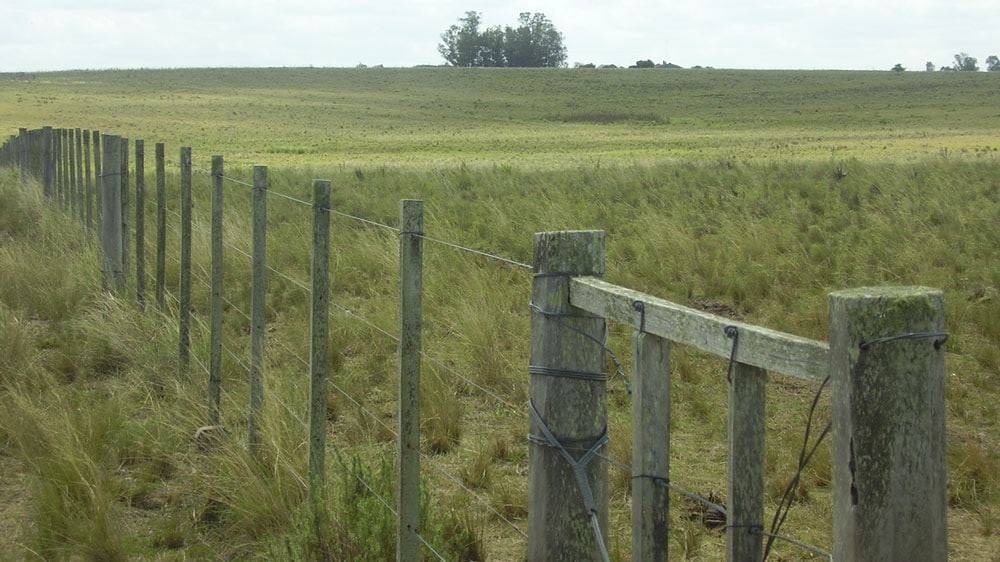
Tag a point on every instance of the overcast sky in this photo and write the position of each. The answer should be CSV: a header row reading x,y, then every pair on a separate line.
x,y
37,35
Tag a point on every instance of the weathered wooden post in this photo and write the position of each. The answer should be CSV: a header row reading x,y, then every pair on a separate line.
x,y
76,202
258,294
48,163
140,222
745,482
88,182
411,221
59,153
890,469
184,332
111,234
215,347
78,168
98,173
161,226
567,515
23,146
650,448
126,232
65,150
320,326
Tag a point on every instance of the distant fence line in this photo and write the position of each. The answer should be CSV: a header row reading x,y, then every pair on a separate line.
x,y
885,363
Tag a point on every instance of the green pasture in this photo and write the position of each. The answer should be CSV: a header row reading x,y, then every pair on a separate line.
x,y
549,118
751,194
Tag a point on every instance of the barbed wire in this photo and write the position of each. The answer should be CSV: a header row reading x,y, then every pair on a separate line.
x,y
664,482
476,252
359,478
432,462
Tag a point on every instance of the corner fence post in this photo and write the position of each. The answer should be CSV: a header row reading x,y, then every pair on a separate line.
x,y
567,515
411,215
890,469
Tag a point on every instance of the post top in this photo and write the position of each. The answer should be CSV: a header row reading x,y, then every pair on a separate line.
x,y
886,291
575,252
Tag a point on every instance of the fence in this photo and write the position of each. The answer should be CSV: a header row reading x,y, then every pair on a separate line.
x,y
885,364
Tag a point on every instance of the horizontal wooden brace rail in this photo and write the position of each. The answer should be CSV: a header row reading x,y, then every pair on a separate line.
x,y
771,350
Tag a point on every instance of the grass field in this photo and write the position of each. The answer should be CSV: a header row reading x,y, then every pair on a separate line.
x,y
751,194
539,118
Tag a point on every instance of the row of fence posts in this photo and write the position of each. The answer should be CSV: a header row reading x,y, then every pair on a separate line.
x,y
45,153
890,499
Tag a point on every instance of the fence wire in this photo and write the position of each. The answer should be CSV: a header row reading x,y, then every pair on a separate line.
x,y
773,535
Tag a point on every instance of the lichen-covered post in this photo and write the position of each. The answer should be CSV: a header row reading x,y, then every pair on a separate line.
x,y
568,401
890,470
411,273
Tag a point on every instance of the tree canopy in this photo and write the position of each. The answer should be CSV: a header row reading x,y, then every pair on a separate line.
x,y
535,42
964,62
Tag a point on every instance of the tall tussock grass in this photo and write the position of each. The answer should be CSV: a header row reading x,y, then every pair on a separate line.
x,y
96,407
97,411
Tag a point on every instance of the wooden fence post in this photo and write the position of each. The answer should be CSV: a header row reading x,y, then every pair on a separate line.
x,y
890,469
650,448
111,234
98,173
23,144
88,182
74,198
215,362
64,173
140,222
745,482
60,177
126,232
161,226
78,174
320,337
258,293
411,219
48,163
184,343
567,517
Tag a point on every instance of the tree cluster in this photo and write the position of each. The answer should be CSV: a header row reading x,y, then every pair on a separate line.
x,y
535,42
963,63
